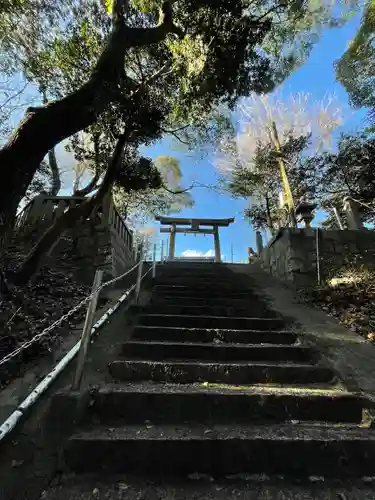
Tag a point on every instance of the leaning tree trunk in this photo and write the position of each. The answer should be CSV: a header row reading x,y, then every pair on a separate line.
x,y
67,221
55,172
45,127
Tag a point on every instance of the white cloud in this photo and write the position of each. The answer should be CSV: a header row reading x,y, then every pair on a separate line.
x,y
195,253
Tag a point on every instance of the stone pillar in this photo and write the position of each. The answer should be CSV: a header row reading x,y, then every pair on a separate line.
x,y
338,218
259,241
217,244
353,216
172,242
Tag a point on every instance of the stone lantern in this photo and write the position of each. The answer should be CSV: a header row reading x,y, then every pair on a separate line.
x,y
305,211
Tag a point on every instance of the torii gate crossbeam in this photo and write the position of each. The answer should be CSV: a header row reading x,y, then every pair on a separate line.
x,y
195,227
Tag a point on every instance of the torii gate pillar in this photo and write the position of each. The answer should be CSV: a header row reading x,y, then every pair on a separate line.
x,y
217,244
172,242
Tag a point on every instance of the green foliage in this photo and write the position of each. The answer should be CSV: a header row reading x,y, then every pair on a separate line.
x,y
297,29
355,69
348,172
140,207
25,27
259,180
40,183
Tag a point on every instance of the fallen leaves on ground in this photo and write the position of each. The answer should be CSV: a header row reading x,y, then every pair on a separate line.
x,y
351,300
32,308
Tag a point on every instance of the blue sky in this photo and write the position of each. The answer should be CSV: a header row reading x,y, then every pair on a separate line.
x,y
317,77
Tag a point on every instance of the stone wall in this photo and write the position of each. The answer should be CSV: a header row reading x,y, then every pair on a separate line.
x,y
291,255
101,241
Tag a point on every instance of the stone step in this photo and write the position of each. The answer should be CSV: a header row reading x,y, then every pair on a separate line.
x,y
187,372
201,487
166,333
222,322
198,403
250,309
216,352
178,298
207,278
193,273
289,450
205,301
192,280
203,291
178,265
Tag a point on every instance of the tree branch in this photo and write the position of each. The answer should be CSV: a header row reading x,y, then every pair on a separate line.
x,y
148,36
69,218
92,185
45,127
270,11
172,132
179,191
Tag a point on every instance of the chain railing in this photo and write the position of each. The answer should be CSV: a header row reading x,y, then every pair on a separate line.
x,y
79,348
64,317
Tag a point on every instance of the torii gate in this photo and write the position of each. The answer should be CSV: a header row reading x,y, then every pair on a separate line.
x,y
195,227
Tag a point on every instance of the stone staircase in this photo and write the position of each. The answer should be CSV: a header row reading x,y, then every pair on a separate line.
x,y
215,385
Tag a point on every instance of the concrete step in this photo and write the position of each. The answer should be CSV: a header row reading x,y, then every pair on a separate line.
x,y
187,372
217,352
289,450
197,403
201,487
222,322
167,333
250,309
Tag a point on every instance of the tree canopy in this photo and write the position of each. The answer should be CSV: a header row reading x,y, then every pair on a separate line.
x,y
355,69
347,172
249,161
200,55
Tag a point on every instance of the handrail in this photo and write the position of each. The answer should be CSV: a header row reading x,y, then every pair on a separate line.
x,y
10,423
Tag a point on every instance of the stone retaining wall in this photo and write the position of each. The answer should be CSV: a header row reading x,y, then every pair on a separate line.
x,y
292,257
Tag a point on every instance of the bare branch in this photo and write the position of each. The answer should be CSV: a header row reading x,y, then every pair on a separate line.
x,y
179,191
172,132
275,8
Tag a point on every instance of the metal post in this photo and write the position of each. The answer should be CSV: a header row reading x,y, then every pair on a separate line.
x,y
86,334
317,256
162,252
139,276
154,262
231,253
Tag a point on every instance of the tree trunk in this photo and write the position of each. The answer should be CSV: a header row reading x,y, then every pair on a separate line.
x,y
269,216
89,188
55,173
67,221
45,127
